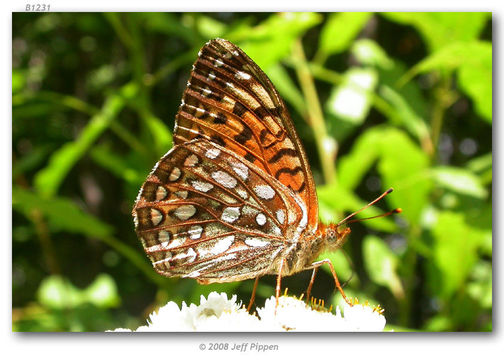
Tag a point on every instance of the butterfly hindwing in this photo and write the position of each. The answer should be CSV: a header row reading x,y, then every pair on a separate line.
x,y
204,211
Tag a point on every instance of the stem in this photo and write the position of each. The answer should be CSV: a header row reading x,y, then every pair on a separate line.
x,y
442,103
77,104
45,241
120,30
324,74
315,115
137,53
169,68
41,229
58,99
126,136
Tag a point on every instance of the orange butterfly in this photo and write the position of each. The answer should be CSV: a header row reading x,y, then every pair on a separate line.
x,y
235,198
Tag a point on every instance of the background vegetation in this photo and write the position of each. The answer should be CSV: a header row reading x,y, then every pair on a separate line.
x,y
399,100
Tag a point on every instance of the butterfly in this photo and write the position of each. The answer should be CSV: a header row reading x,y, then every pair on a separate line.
x,y
235,198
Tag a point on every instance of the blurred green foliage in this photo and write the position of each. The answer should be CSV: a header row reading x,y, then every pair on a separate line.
x,y
399,100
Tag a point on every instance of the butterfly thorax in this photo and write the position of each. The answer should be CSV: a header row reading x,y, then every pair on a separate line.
x,y
304,253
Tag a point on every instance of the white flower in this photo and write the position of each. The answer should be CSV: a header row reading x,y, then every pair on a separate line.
x,y
217,313
363,318
294,315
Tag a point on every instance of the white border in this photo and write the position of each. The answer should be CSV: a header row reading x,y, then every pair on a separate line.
x,y
172,346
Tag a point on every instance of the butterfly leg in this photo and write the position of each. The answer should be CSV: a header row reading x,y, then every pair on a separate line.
x,y
252,298
317,264
278,282
310,285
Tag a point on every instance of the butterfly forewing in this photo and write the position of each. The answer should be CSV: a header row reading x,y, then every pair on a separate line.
x,y
235,197
206,213
231,102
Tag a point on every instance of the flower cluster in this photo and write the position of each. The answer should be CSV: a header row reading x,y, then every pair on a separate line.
x,y
218,313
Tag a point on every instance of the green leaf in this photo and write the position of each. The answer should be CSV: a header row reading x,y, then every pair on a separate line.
x,y
161,133
34,109
476,81
102,77
405,115
455,55
439,323
486,243
351,100
330,210
368,52
454,251
381,265
62,214
210,28
102,292
49,179
440,29
353,166
340,30
411,92
270,41
18,80
482,166
52,100
480,286
403,166
459,180
31,160
59,293
473,63
116,164
168,23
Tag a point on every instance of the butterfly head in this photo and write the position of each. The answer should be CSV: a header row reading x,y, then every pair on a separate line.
x,y
335,236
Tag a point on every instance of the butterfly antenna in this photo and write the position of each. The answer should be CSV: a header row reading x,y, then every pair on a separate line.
x,y
395,211
345,220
